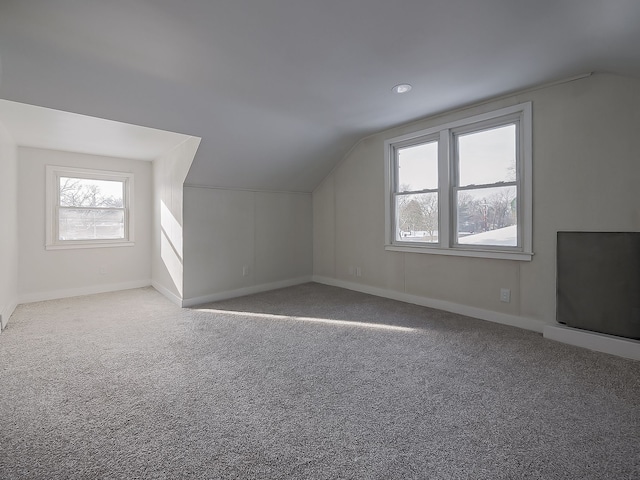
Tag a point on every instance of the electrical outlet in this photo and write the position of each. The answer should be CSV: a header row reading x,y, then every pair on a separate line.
x,y
102,270
245,271
505,295
358,272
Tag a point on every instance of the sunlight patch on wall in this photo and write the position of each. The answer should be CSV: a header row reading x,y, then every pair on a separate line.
x,y
171,245
172,229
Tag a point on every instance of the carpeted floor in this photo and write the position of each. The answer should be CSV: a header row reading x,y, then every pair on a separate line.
x,y
308,382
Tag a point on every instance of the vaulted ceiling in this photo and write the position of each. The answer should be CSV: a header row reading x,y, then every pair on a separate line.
x,y
280,90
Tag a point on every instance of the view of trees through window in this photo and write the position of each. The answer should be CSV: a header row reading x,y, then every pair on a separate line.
x,y
463,187
418,217
478,211
485,193
487,210
417,199
90,209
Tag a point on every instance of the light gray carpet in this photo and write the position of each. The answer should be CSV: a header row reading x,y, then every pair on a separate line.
x,y
126,385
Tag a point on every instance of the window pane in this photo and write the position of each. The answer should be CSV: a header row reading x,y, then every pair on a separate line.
x,y
91,224
487,157
487,216
417,217
84,192
418,167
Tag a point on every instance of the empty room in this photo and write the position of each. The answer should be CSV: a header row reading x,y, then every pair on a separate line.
x,y
278,239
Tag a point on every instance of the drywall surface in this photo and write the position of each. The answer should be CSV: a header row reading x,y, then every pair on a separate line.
x,y
9,222
324,228
586,167
45,274
169,171
236,240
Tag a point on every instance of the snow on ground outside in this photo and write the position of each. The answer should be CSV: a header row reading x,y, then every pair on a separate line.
x,y
502,236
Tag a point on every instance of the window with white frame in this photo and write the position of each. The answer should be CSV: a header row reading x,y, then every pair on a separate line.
x,y
463,188
88,208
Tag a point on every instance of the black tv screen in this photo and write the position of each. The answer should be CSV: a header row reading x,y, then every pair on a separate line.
x,y
598,282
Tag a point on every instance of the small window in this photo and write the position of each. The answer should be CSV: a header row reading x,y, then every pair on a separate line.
x,y
463,188
88,208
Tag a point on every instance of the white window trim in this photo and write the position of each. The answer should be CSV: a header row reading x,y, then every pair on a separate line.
x,y
52,200
445,153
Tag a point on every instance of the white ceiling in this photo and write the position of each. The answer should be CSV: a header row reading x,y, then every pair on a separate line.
x,y
40,127
280,90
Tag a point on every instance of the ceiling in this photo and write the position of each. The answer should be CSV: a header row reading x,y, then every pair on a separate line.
x,y
39,127
280,90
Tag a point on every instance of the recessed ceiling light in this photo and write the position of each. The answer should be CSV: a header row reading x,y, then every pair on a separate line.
x,y
402,88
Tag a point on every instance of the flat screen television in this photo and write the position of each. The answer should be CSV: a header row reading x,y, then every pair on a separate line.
x,y
598,282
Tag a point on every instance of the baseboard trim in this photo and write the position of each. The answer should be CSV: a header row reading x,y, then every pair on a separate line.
x,y
5,314
76,292
496,317
241,292
600,342
167,293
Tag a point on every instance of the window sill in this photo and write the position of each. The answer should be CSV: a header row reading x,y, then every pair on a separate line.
x,y
459,252
70,246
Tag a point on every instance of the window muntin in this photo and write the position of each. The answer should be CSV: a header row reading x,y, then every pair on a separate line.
x,y
88,208
483,187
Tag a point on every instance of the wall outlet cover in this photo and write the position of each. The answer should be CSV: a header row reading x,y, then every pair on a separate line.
x,y
505,295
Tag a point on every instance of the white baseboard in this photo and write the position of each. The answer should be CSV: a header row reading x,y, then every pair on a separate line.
x,y
503,318
6,313
167,293
241,292
76,292
600,342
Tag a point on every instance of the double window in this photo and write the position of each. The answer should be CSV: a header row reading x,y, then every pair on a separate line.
x,y
463,188
88,208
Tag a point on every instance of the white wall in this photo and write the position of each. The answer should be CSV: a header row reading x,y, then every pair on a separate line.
x,y
45,274
586,166
169,172
9,222
269,233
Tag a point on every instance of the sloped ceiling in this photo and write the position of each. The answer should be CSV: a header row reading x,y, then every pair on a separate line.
x,y
40,127
280,90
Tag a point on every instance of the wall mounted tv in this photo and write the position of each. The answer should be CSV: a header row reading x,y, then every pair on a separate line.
x,y
598,282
